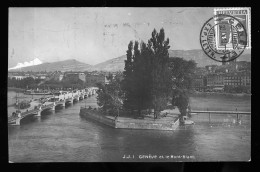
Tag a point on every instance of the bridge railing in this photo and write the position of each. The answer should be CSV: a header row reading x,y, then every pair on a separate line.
x,y
46,106
237,113
29,112
23,114
220,112
50,105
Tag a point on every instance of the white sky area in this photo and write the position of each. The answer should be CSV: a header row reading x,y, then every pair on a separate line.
x,y
94,35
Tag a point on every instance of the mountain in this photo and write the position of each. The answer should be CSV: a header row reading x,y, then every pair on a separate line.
x,y
118,64
112,65
202,59
66,65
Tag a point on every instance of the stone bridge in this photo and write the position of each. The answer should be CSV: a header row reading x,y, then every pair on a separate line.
x,y
51,102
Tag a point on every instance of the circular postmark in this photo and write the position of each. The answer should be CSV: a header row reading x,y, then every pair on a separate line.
x,y
223,38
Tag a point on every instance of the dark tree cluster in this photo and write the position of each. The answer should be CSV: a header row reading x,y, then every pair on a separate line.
x,y
151,79
109,97
146,82
182,72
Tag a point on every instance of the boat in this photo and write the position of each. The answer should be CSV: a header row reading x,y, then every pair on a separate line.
x,y
37,92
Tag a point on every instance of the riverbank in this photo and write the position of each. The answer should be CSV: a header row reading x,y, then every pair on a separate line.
x,y
15,89
170,122
219,94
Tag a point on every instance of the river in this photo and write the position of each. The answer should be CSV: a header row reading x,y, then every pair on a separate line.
x,y
64,136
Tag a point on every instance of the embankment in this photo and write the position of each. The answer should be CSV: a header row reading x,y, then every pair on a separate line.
x,y
129,123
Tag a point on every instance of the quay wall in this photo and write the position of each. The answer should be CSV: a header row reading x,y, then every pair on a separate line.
x,y
97,116
142,124
123,123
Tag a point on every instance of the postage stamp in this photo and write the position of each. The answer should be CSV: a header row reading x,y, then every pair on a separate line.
x,y
228,37
231,34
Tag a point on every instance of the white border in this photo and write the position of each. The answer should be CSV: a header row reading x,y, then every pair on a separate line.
x,y
249,22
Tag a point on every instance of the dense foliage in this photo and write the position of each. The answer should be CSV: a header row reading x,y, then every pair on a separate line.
x,y
182,72
110,95
147,82
152,79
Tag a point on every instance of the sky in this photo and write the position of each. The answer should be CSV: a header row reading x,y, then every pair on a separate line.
x,y
94,35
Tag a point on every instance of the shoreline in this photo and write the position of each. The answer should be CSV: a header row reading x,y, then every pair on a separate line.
x,y
171,123
219,94
15,89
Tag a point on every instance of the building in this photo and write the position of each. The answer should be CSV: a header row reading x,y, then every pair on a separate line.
x,y
215,82
93,79
40,76
18,75
246,78
238,79
211,68
61,77
215,79
199,83
199,79
79,75
57,76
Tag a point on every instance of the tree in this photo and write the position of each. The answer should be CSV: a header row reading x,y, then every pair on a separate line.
x,y
110,95
146,81
161,83
137,78
181,100
127,83
182,72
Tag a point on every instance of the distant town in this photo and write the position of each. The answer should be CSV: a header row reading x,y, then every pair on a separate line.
x,y
56,79
230,77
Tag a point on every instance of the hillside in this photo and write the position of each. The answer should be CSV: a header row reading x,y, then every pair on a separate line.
x,y
201,58
117,64
112,65
66,65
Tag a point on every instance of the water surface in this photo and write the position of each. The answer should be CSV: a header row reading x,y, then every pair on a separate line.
x,y
64,136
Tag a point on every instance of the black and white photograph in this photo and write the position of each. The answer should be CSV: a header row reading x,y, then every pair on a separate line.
x,y
129,84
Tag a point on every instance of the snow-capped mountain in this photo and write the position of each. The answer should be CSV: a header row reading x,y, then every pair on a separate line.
x,y
36,61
